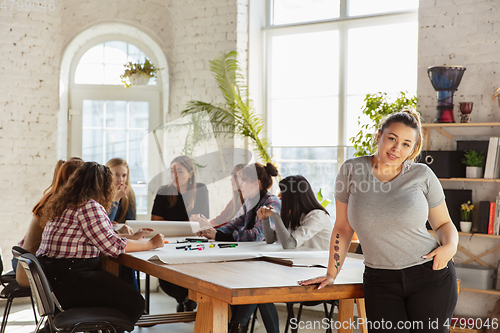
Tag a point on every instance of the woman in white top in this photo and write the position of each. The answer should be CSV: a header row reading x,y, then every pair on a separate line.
x,y
303,221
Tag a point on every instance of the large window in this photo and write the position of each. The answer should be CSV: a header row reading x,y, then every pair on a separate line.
x,y
323,57
109,120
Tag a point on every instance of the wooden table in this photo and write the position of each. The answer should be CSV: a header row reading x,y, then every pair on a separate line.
x,y
216,285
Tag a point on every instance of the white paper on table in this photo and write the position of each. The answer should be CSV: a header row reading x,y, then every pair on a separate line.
x,y
245,250
167,228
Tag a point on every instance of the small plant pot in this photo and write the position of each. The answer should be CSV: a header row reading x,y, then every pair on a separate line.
x,y
139,79
465,226
473,172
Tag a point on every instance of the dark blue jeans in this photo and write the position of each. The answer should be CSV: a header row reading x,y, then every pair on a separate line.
x,y
414,299
268,312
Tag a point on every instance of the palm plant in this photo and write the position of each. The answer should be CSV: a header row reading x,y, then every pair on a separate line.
x,y
236,115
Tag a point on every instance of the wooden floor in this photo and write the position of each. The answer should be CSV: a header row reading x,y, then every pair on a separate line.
x,y
21,317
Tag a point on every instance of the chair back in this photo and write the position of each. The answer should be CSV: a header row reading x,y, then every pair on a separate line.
x,y
40,287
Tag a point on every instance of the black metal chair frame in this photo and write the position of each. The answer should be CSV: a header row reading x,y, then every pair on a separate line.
x,y
11,291
72,320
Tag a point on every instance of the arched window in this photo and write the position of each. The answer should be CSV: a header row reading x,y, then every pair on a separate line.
x,y
107,120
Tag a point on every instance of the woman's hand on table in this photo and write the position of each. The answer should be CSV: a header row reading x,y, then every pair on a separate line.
x,y
265,212
139,234
323,281
208,232
157,241
202,220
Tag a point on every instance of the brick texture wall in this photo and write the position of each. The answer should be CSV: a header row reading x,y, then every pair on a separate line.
x,y
464,33
190,33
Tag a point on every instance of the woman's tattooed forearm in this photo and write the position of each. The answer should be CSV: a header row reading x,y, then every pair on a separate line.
x,y
336,255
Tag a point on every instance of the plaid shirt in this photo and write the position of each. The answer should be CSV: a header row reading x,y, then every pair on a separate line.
x,y
83,232
237,226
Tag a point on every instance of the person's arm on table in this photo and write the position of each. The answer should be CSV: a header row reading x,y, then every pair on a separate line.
x,y
339,244
141,245
440,221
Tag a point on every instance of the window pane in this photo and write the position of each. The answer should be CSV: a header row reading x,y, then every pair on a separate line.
x,y
305,65
137,174
92,113
366,7
115,52
141,198
94,56
112,74
92,145
116,144
139,115
294,11
89,74
291,128
382,58
116,114
104,63
135,54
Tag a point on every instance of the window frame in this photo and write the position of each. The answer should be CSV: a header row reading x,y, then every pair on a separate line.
x,y
79,92
342,24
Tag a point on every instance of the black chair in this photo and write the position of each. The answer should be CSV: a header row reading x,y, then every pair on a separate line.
x,y
72,320
328,312
11,290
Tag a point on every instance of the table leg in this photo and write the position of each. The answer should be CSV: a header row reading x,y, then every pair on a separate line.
x,y
360,304
212,314
346,313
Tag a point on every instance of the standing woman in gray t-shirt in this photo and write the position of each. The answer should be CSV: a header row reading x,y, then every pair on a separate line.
x,y
409,280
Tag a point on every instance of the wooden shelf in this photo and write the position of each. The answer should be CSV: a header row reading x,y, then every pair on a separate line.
x,y
477,180
477,235
446,129
482,291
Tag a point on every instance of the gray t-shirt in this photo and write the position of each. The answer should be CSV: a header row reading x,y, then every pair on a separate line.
x,y
389,218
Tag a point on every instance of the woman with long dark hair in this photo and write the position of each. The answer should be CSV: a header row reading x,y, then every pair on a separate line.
x,y
77,230
302,221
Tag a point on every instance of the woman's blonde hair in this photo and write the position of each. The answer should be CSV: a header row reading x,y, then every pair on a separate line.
x,y
129,199
190,198
90,181
411,118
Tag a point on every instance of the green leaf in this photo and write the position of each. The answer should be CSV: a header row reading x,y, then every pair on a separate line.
x,y
236,116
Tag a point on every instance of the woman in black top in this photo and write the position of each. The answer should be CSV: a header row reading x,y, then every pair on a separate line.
x,y
170,205
177,202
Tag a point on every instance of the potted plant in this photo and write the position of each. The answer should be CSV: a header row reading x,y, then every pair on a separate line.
x,y
474,162
236,116
139,73
377,107
466,216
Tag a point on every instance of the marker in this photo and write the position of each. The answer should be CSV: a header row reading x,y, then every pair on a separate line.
x,y
196,240
166,242
181,241
227,245
183,247
193,248
211,246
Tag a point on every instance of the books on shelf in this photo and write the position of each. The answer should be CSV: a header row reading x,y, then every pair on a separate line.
x,y
488,221
492,159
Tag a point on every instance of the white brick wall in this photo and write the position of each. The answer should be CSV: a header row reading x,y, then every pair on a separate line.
x,y
463,33
190,32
